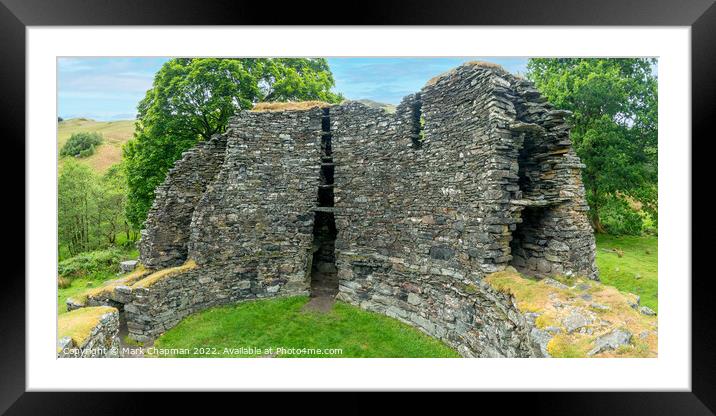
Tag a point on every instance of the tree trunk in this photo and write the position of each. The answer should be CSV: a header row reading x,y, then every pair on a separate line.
x,y
596,222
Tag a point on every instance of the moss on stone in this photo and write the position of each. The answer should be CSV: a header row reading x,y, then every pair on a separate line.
x,y
531,295
164,273
470,288
608,307
107,288
78,324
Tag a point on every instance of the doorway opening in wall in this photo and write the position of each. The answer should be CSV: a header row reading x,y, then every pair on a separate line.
x,y
529,243
324,279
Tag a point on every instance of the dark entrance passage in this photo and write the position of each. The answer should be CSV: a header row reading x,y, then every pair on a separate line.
x,y
324,279
528,245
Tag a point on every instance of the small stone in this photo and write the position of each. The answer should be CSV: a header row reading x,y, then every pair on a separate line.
x,y
612,340
413,299
441,252
575,321
554,283
557,246
541,338
127,265
645,310
599,306
583,287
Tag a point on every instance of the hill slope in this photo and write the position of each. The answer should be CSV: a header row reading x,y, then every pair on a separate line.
x,y
115,134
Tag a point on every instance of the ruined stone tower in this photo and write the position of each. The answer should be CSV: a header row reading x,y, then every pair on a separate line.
x,y
398,213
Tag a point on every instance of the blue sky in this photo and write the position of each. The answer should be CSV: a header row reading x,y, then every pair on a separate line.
x,y
110,88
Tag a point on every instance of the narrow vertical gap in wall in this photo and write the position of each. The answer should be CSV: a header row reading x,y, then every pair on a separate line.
x,y
324,279
527,167
526,246
417,123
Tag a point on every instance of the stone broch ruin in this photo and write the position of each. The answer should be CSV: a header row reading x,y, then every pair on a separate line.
x,y
402,213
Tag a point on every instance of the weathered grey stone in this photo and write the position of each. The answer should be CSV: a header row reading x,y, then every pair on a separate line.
x,y
576,320
541,338
127,265
554,283
612,340
645,310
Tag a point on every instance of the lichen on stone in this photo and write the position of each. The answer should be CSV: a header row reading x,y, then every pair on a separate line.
x,y
583,315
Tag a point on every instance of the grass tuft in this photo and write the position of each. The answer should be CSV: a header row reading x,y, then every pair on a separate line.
x,y
164,273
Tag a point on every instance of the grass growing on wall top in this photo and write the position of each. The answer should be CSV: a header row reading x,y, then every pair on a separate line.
x,y
281,323
78,323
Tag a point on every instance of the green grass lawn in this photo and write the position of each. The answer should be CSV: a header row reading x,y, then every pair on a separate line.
x,y
281,323
635,271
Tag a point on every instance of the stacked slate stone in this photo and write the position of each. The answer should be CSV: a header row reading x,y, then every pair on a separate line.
x,y
470,175
165,235
251,232
102,341
433,205
554,236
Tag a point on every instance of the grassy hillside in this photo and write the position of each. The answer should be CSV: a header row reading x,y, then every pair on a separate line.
x,y
115,134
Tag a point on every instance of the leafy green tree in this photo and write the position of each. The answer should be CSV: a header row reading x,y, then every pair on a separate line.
x,y
111,197
193,99
91,208
614,125
76,204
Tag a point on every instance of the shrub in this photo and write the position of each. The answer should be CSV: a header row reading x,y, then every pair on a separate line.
x,y
81,144
92,264
619,218
63,282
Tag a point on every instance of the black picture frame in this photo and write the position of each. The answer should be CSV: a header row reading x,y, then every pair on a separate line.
x,y
16,15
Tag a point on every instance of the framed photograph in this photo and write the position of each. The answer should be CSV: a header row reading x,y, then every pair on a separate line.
x,y
463,198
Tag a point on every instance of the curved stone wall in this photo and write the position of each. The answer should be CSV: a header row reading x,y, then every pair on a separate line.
x,y
472,174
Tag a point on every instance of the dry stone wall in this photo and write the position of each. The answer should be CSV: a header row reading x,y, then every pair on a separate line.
x,y
472,174
165,235
102,341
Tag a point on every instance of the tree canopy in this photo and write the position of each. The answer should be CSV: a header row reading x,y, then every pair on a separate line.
x,y
614,131
193,99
